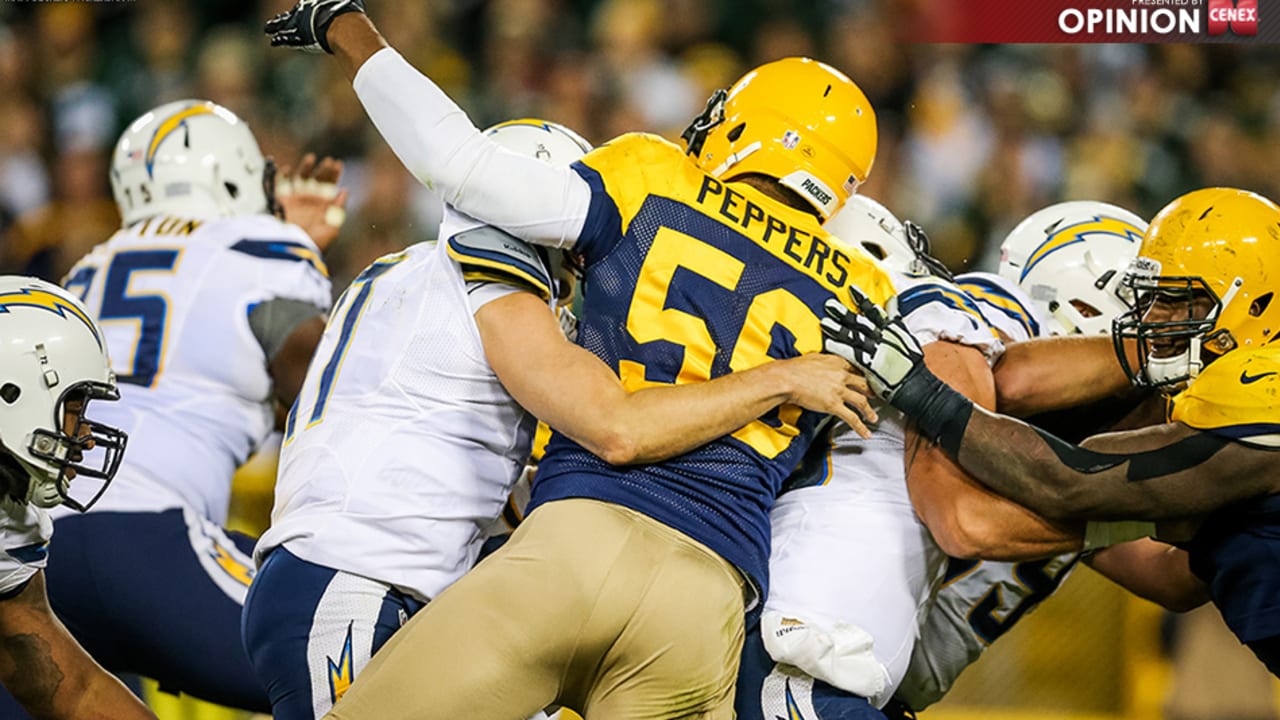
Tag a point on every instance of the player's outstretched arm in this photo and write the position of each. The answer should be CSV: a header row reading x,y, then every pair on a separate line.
x,y
1163,472
1048,374
577,394
49,673
432,136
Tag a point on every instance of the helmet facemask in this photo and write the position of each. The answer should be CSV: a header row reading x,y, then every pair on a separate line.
x,y
77,449
696,133
1170,349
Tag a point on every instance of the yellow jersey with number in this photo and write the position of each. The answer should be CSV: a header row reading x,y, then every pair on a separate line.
x,y
688,278
1236,396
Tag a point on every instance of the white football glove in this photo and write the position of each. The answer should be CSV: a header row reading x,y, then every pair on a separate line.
x,y
878,343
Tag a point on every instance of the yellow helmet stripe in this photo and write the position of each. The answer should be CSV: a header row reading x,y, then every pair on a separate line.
x,y
173,122
1077,233
45,300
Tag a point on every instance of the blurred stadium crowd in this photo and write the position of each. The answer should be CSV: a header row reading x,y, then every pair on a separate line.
x,y
973,138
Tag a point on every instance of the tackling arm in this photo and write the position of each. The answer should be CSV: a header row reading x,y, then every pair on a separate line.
x,y
966,519
1163,472
1157,473
577,394
51,675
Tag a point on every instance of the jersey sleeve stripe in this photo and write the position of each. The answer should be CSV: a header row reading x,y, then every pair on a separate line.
x,y
1262,434
602,230
30,554
995,297
914,298
282,250
479,264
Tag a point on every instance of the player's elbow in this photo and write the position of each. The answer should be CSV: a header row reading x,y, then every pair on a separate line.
x,y
613,445
1016,389
967,536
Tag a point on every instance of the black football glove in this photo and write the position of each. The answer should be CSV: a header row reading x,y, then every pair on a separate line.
x,y
304,26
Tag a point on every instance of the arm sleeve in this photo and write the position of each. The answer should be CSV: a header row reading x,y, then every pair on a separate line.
x,y
437,142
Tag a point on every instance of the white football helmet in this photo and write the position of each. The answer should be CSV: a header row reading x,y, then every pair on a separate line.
x,y
550,142
52,354
901,247
192,158
1070,258
556,145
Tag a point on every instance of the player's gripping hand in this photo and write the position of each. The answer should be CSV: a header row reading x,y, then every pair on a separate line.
x,y
877,342
829,385
304,27
881,345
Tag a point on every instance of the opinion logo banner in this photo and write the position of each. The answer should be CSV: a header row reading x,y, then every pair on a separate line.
x,y
1090,21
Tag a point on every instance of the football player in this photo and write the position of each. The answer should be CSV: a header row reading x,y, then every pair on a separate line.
x,y
448,350
53,363
883,508
211,307
698,262
1201,328
1060,273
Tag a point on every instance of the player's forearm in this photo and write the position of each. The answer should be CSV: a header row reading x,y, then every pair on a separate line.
x,y
662,422
1155,473
354,39
49,673
438,143
1055,373
1154,571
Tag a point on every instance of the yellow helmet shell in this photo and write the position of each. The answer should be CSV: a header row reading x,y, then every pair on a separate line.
x,y
801,122
1227,238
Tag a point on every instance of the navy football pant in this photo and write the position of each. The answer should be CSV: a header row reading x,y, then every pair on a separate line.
x,y
159,595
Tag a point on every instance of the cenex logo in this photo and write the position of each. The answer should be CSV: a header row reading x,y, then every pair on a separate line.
x,y
1240,16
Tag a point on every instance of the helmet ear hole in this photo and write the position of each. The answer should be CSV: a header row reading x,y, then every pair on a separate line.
x,y
232,189
736,132
875,250
1259,306
10,393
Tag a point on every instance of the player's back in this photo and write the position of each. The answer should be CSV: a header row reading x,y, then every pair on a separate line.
x,y
403,444
686,279
1235,550
852,495
173,297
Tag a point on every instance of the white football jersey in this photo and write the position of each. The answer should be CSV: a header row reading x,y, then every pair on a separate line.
x,y
848,549
173,297
403,445
24,537
979,600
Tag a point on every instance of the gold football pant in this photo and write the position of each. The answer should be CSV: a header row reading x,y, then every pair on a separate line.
x,y
591,606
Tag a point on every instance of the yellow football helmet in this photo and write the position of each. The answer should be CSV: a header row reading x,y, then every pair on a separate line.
x,y
796,120
1221,244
